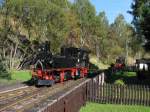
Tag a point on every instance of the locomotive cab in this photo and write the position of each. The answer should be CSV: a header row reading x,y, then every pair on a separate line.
x,y
80,53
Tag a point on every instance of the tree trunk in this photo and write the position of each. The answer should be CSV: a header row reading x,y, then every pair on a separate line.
x,y
10,59
97,50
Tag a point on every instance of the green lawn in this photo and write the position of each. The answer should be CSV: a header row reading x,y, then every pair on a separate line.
x,y
94,107
21,75
15,76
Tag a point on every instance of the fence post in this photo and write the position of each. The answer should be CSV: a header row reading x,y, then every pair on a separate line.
x,y
123,100
106,93
140,95
136,92
121,94
129,100
109,94
147,96
98,88
103,92
118,94
144,94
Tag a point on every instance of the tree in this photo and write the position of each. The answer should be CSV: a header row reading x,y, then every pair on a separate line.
x,y
22,22
86,15
141,20
100,30
122,36
29,20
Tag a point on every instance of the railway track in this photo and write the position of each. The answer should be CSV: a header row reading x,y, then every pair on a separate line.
x,y
26,99
14,92
11,97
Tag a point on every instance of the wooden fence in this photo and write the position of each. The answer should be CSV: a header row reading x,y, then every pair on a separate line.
x,y
72,100
116,94
95,90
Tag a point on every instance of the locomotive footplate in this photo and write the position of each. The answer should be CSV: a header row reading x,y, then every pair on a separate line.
x,y
45,82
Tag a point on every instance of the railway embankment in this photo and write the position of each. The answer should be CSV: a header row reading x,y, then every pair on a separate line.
x,y
33,98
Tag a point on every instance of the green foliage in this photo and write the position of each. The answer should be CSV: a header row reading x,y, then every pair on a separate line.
x,y
141,14
86,14
2,68
21,75
122,34
14,77
121,77
95,107
34,20
62,23
119,82
97,64
3,72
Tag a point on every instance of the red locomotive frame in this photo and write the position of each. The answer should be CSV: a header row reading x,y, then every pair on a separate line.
x,y
50,74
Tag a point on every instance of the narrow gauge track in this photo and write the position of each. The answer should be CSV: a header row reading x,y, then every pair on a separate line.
x,y
30,100
16,92
10,97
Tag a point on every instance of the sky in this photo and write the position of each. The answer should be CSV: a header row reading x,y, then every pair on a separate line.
x,y
113,7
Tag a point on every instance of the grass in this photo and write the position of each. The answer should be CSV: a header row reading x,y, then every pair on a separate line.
x,y
21,75
7,82
94,107
14,77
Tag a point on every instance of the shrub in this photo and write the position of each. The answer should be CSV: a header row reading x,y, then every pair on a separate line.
x,y
3,71
119,82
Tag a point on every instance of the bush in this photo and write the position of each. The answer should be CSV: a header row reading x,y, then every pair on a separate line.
x,y
119,82
3,72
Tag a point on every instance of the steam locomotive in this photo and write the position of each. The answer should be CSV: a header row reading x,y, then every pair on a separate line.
x,y
70,63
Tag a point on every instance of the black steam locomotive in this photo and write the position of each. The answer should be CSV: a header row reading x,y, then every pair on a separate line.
x,y
69,57
70,63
